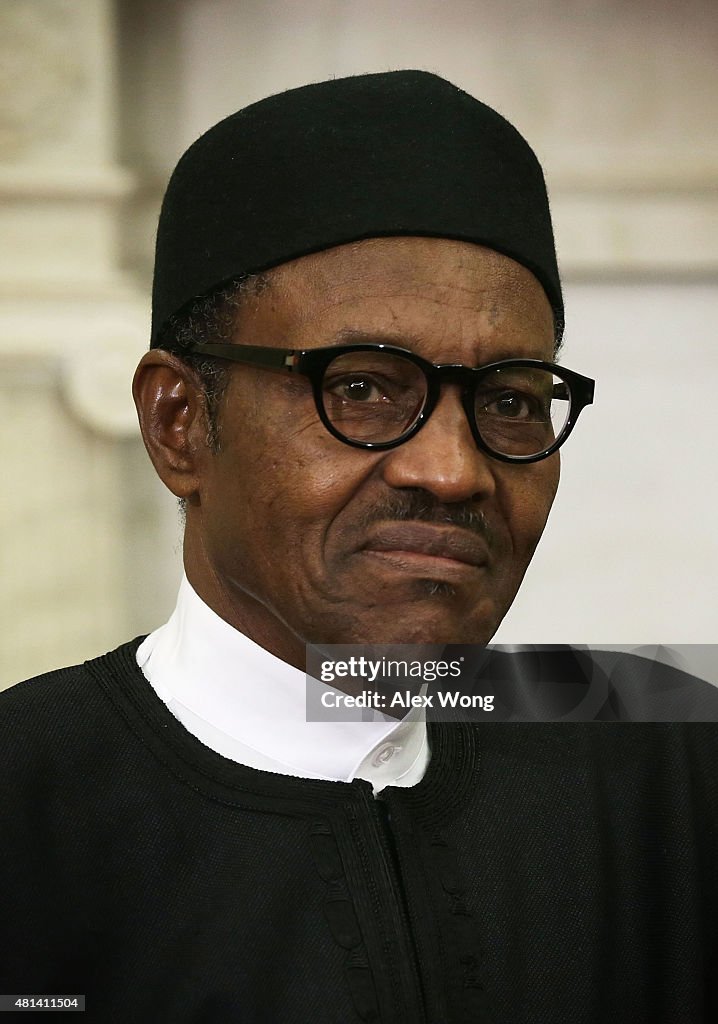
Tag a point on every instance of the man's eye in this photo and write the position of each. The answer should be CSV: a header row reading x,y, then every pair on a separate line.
x,y
508,404
513,405
357,389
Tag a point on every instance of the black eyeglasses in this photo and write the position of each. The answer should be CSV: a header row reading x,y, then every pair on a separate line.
x,y
379,396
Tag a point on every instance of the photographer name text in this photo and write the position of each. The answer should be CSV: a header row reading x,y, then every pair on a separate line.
x,y
406,699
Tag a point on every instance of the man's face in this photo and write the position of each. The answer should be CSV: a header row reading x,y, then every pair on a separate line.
x,y
295,537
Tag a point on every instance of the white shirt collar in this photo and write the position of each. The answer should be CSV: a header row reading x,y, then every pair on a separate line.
x,y
250,706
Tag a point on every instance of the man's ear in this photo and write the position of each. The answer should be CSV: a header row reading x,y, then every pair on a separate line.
x,y
172,412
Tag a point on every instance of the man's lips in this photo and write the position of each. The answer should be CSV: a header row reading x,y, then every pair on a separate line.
x,y
428,540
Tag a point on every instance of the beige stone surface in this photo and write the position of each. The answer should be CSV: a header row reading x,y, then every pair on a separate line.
x,y
72,327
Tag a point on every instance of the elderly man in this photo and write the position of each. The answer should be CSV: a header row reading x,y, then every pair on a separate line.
x,y
352,389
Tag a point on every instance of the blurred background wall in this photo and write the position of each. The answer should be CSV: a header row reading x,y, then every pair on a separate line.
x,y
97,101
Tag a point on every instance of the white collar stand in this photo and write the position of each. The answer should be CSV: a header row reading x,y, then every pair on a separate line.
x,y
248,705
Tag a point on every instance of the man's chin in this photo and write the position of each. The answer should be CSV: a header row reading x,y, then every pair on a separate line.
x,y
430,618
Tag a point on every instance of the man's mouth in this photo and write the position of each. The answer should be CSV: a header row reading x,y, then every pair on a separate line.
x,y
427,548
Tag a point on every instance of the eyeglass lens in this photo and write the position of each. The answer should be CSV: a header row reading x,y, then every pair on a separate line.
x,y
376,397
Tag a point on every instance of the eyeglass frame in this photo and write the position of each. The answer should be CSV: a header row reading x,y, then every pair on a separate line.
x,y
313,362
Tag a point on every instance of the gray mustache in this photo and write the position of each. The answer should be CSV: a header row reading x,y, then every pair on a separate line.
x,y
423,507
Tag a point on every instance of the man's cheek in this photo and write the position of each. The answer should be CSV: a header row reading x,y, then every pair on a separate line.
x,y
526,495
531,520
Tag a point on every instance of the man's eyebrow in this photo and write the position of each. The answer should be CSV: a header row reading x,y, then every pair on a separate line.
x,y
359,336
376,336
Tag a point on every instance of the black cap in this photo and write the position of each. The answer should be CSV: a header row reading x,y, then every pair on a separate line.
x,y
398,153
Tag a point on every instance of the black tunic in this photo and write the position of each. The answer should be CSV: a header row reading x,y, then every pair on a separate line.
x,y
538,874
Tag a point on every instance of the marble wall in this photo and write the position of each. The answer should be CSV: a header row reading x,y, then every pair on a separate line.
x,y
73,324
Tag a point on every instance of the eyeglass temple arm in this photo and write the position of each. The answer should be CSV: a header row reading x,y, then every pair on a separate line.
x,y
251,355
583,390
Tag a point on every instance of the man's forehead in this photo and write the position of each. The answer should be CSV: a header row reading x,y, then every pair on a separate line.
x,y
414,255
402,153
431,269
399,291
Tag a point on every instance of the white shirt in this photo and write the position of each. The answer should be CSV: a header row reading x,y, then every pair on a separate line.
x,y
250,706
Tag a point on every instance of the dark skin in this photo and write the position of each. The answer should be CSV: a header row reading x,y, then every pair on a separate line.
x,y
292,536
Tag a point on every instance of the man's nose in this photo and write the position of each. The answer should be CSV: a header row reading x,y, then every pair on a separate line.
x,y
442,457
